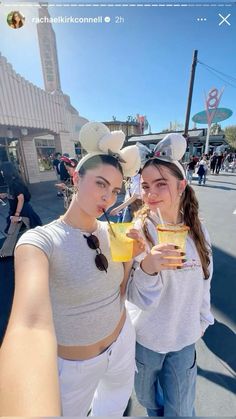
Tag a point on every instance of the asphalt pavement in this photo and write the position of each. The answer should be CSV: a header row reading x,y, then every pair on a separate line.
x,y
216,352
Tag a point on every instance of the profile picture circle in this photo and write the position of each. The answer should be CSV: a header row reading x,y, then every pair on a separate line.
x,y
15,19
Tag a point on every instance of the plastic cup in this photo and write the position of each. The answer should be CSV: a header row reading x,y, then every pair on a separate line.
x,y
172,233
121,245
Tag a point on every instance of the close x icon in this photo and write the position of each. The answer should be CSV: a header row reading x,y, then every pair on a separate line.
x,y
224,19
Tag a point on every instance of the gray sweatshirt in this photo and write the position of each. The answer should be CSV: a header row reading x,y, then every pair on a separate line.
x,y
179,312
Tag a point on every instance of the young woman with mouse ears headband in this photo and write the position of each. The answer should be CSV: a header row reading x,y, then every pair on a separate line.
x,y
67,300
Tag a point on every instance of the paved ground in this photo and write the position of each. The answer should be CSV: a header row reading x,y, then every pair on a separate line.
x,y
216,383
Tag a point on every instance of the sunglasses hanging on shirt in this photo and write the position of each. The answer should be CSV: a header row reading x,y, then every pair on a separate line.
x,y
100,260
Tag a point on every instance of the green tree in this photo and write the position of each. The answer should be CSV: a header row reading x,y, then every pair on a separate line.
x,y
230,135
216,129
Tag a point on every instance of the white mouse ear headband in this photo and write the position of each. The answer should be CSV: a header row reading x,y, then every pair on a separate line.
x,y
172,149
97,139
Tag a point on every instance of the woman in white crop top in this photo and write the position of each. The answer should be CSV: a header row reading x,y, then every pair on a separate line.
x,y
67,301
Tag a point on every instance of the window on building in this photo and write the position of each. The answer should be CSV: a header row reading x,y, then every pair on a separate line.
x,y
45,151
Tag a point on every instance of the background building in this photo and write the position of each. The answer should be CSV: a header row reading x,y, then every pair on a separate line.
x,y
35,123
196,141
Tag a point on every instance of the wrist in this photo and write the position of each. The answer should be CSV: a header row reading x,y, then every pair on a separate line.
x,y
17,214
146,268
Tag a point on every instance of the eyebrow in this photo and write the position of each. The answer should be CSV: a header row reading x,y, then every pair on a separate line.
x,y
155,180
108,183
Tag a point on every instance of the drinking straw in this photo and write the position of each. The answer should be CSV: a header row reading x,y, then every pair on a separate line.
x,y
106,216
160,216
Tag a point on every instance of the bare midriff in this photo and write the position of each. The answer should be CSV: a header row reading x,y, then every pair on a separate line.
x,y
81,353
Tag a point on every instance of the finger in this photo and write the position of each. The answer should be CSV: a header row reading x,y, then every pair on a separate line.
x,y
171,265
167,246
173,254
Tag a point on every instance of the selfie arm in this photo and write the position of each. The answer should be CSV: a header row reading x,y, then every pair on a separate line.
x,y
28,356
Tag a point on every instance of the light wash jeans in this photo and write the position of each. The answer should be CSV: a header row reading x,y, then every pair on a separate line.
x,y
104,382
189,176
175,372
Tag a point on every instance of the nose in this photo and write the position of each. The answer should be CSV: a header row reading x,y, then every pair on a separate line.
x,y
106,196
152,194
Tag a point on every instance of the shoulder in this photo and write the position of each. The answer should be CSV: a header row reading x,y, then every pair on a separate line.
x,y
42,237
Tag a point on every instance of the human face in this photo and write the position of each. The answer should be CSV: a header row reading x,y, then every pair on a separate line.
x,y
98,189
160,189
16,17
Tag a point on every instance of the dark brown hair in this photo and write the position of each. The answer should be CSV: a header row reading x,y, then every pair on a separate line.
x,y
95,161
189,208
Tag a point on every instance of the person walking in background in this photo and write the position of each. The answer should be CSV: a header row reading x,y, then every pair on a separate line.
x,y
63,172
21,214
67,300
168,331
202,170
228,159
219,163
67,188
56,164
213,160
190,169
64,175
18,197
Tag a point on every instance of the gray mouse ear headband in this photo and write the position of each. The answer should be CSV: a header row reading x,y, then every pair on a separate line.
x,y
97,139
171,149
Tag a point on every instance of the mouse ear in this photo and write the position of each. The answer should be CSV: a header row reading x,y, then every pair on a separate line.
x,y
91,134
112,141
97,139
132,162
172,147
144,152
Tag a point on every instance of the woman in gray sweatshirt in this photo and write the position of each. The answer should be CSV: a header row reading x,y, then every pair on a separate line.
x,y
167,332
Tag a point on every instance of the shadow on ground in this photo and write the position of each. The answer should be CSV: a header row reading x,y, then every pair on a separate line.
x,y
229,383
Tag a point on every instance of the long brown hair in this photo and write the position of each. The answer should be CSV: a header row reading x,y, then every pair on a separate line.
x,y
189,209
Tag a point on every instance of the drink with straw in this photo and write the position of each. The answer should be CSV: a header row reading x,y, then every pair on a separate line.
x,y
173,233
121,245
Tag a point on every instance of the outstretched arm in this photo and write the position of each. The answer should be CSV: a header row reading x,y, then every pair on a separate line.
x,y
28,357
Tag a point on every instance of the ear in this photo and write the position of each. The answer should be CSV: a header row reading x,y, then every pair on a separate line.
x,y
76,178
182,185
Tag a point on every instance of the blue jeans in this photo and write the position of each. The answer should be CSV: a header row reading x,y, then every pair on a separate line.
x,y
165,383
189,175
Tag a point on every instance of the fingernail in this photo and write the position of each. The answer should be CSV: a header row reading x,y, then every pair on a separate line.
x,y
182,254
184,260
179,267
177,247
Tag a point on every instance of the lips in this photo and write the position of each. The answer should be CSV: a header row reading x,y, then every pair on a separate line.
x,y
154,203
101,208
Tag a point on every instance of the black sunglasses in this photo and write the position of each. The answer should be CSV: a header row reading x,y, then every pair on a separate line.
x,y
100,260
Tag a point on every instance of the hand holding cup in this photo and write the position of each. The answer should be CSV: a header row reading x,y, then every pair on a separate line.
x,y
165,256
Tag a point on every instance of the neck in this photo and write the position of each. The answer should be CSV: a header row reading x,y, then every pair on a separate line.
x,y
172,218
77,218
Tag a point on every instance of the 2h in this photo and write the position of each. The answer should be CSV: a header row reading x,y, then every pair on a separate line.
x,y
120,19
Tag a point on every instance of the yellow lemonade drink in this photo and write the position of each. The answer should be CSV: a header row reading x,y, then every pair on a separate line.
x,y
121,245
173,233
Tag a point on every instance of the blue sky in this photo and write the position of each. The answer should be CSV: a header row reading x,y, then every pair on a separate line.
x,y
139,66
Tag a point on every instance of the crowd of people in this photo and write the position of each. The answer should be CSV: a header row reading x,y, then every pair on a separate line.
x,y
210,164
84,330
